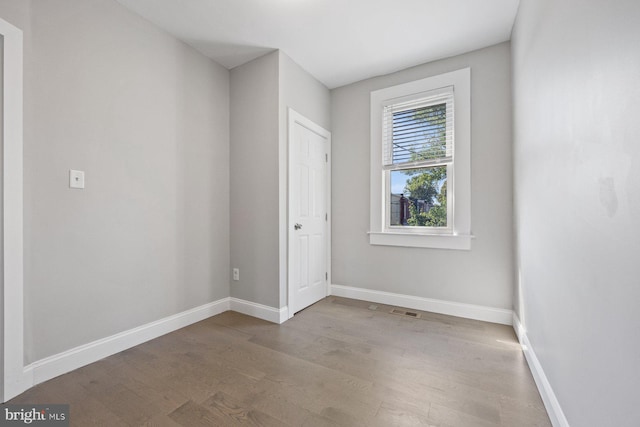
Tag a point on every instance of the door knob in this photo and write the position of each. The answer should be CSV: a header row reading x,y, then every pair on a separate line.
x,y
297,226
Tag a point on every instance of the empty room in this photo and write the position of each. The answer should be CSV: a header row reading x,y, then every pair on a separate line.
x,y
320,213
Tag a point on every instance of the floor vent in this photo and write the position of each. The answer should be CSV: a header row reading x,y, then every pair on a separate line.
x,y
406,313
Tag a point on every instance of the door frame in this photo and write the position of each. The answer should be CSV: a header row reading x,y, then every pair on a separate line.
x,y
296,118
15,379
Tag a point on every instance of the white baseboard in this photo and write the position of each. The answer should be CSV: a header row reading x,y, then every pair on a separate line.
x,y
61,363
469,311
556,415
260,311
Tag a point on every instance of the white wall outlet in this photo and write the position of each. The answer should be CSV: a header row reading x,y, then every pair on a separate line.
x,y
236,274
76,179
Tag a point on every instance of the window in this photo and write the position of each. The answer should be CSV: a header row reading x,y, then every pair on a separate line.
x,y
417,144
420,163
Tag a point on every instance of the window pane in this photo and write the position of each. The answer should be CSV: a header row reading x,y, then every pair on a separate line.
x,y
419,197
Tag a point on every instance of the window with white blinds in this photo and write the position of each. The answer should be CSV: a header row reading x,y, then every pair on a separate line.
x,y
420,167
419,132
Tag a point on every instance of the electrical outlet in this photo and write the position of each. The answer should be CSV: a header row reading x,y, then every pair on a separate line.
x,y
236,274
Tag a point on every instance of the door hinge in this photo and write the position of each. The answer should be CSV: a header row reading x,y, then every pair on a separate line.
x,y
326,217
326,157
326,276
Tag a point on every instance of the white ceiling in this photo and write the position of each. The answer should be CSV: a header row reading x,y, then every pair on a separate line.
x,y
338,41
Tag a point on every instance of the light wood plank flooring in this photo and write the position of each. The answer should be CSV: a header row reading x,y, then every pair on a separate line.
x,y
339,362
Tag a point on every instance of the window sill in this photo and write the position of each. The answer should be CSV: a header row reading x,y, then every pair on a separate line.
x,y
413,240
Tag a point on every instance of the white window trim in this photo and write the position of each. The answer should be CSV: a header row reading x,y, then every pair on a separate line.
x,y
459,237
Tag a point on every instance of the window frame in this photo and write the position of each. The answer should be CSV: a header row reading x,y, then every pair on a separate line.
x,y
457,234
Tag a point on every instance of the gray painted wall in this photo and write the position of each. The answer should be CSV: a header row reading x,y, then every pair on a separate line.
x,y
483,275
146,118
254,180
577,184
304,93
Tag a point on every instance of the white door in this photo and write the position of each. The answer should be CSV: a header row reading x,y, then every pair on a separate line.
x,y
308,212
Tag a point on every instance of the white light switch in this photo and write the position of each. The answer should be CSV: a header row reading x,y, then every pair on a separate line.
x,y
76,179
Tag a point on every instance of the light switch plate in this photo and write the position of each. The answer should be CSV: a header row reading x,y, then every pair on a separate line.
x,y
76,179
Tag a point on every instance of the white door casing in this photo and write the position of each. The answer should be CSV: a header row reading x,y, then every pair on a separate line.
x,y
15,380
309,207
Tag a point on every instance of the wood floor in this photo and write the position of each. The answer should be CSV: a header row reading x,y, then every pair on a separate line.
x,y
339,362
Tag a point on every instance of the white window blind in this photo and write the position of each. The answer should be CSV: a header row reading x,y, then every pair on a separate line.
x,y
419,132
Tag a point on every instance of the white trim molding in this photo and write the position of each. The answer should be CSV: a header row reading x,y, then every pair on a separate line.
x,y
414,240
15,381
551,403
468,311
260,311
61,363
